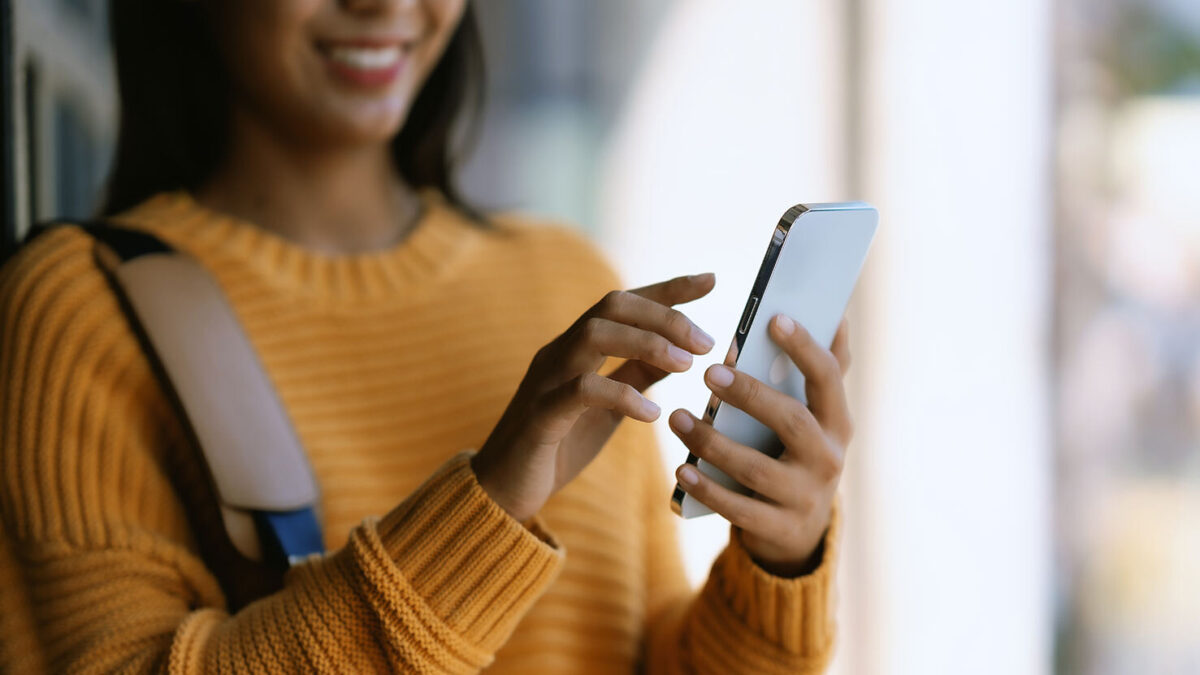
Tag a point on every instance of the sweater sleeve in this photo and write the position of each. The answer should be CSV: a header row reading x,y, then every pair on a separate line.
x,y
744,619
102,549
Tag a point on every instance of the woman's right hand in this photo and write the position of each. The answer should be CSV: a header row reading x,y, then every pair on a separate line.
x,y
564,411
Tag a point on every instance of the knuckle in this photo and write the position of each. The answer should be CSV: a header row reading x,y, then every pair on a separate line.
x,y
805,504
751,391
630,396
677,323
583,385
799,423
702,442
611,301
827,468
591,329
737,514
654,344
827,366
756,474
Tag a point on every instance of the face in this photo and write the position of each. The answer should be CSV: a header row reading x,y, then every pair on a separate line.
x,y
340,72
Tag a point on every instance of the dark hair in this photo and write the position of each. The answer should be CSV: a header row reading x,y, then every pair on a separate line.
x,y
174,98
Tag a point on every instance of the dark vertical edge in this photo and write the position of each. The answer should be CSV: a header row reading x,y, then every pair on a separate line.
x,y
1066,635
8,135
858,529
30,81
855,75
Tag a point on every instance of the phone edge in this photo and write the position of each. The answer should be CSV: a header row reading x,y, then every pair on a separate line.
x,y
765,270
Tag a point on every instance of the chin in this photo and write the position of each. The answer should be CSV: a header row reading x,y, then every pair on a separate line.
x,y
377,123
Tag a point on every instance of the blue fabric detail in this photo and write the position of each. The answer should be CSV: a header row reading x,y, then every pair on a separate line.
x,y
290,536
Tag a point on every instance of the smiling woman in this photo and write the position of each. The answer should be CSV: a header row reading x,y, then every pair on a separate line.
x,y
303,74
469,391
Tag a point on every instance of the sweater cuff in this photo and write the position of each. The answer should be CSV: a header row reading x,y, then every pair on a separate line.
x,y
477,567
794,616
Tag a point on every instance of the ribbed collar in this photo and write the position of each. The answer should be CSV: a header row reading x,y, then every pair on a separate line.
x,y
440,235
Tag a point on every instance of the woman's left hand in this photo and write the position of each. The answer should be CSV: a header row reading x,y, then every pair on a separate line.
x,y
785,520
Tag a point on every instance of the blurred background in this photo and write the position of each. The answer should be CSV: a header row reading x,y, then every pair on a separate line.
x,y
1023,494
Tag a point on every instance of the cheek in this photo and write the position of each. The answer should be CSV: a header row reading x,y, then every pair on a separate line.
x,y
444,17
264,36
270,56
261,42
446,13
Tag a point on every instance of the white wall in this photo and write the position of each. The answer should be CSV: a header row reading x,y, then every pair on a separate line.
x,y
955,426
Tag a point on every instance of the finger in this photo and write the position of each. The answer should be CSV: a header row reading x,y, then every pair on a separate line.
x,y
745,512
841,345
678,290
795,425
563,405
753,469
599,338
822,375
629,308
638,374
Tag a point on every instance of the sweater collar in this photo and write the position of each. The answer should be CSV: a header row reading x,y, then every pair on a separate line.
x,y
223,242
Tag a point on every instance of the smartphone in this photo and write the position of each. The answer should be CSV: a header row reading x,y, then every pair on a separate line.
x,y
808,273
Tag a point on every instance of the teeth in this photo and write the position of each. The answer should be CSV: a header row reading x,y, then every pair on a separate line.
x,y
366,58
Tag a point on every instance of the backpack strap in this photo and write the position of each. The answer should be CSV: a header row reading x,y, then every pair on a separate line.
x,y
266,488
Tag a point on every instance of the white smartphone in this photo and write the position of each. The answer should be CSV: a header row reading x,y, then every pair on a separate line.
x,y
808,273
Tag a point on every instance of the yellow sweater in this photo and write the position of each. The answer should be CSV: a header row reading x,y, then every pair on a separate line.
x,y
392,365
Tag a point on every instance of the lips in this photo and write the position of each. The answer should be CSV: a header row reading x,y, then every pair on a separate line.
x,y
364,64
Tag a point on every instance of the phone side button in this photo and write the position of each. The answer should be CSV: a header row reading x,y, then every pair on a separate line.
x,y
748,315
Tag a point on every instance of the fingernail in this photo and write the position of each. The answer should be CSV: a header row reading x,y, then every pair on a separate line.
x,y
687,475
786,325
703,339
680,356
720,376
650,408
704,276
681,421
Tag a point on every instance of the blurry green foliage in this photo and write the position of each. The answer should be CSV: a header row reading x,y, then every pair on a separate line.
x,y
1149,53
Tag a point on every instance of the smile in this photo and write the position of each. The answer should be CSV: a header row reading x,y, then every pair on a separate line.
x,y
365,65
366,58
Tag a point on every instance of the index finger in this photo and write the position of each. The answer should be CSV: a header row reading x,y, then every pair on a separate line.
x,y
678,290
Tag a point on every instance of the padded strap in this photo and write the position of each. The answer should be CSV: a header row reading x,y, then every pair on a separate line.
x,y
262,477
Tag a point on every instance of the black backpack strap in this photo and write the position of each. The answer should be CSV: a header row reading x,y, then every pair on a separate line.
x,y
266,488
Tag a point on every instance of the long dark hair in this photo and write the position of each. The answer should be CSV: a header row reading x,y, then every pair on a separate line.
x,y
174,97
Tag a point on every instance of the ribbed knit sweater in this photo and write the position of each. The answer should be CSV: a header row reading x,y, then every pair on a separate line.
x,y
392,365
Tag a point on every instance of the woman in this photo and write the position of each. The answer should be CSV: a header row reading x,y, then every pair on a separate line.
x,y
301,151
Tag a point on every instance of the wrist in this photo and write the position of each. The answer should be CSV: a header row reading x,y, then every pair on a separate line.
x,y
787,562
485,475
791,568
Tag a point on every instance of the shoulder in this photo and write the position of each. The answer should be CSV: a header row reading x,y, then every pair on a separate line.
x,y
61,323
54,274
78,397
65,343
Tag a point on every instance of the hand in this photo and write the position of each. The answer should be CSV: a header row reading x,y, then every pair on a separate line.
x,y
784,521
564,411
